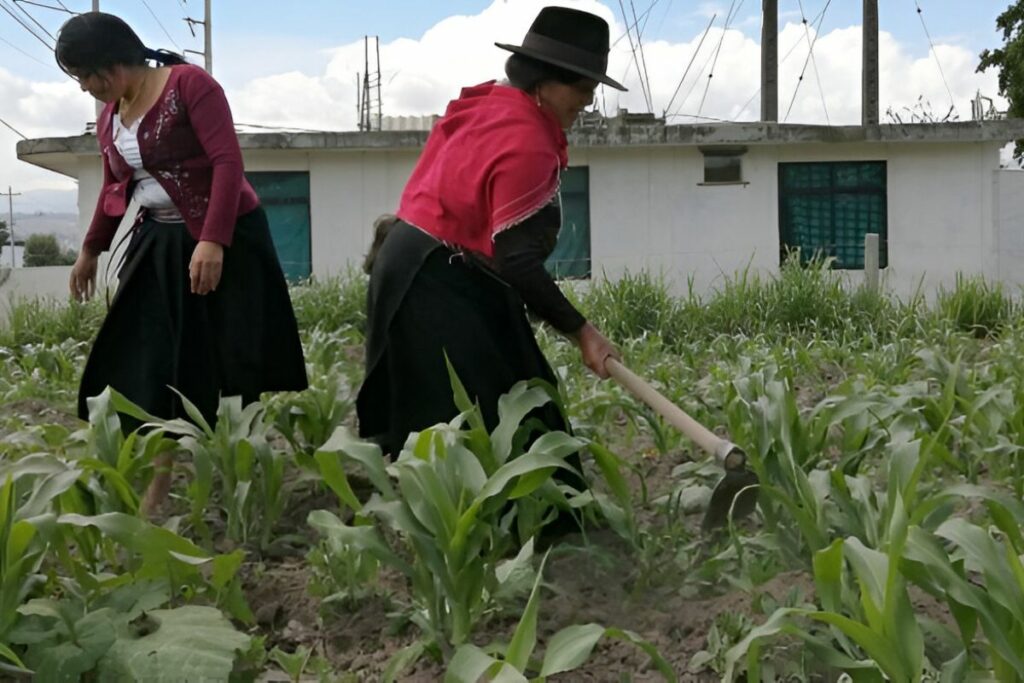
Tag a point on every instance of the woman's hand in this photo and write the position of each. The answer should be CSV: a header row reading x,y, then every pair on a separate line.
x,y
595,349
205,268
83,275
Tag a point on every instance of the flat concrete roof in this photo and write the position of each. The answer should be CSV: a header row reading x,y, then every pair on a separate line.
x,y
60,154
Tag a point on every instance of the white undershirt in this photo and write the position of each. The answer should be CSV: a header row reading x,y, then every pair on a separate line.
x,y
148,191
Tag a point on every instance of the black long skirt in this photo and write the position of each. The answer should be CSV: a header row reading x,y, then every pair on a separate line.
x,y
425,301
239,340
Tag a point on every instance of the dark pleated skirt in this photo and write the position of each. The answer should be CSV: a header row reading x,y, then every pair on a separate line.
x,y
424,301
240,340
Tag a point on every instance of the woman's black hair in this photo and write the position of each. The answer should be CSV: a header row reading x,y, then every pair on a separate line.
x,y
526,73
95,41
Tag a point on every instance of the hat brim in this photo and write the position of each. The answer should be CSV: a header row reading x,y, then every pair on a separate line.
x,y
535,54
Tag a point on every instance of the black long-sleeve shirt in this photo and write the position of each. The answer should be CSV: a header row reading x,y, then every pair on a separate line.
x,y
519,255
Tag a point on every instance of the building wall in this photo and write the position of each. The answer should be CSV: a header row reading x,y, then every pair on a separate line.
x,y
49,282
1009,227
650,211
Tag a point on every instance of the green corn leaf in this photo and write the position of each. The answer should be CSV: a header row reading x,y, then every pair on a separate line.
x,y
828,575
225,568
985,555
19,538
402,660
122,487
342,442
469,665
8,654
427,498
570,648
154,544
524,640
462,401
885,652
871,569
611,468
364,538
513,407
334,476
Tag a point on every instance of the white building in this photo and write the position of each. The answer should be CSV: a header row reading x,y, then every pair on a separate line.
x,y
693,202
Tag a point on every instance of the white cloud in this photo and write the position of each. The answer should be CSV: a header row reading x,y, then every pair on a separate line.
x,y
421,74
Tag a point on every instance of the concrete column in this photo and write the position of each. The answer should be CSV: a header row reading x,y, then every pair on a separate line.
x,y
869,74
770,60
871,261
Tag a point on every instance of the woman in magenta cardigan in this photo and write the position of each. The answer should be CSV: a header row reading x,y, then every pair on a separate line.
x,y
202,307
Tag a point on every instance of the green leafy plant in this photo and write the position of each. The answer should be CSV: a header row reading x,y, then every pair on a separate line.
x,y
566,650
451,498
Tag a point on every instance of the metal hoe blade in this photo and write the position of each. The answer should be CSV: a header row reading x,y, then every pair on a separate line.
x,y
735,495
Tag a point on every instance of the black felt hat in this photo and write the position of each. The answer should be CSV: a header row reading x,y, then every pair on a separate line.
x,y
571,39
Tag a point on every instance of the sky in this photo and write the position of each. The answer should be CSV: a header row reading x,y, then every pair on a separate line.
x,y
295,64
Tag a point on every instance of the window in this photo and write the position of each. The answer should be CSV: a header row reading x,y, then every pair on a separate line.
x,y
723,165
285,197
826,209
571,257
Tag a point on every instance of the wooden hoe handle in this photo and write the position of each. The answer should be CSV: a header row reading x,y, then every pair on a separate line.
x,y
727,453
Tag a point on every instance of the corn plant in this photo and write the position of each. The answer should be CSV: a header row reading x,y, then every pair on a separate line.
x,y
566,650
309,417
451,497
117,460
234,452
979,573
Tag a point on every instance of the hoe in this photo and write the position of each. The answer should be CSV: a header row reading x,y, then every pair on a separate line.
x,y
736,493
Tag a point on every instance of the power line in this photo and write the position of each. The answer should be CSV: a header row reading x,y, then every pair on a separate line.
x,y
33,20
819,19
161,25
693,58
15,47
23,136
728,20
810,54
62,8
25,26
931,44
632,47
643,58
696,81
630,27
814,62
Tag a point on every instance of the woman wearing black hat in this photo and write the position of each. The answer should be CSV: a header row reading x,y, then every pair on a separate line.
x,y
477,219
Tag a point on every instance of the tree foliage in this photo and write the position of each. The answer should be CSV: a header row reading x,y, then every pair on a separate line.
x,y
43,250
5,236
1009,59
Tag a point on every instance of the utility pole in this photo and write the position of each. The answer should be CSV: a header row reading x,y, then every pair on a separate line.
x,y
368,95
207,24
770,60
10,214
208,36
869,69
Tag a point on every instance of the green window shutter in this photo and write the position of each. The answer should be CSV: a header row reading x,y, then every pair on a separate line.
x,y
571,257
285,197
826,209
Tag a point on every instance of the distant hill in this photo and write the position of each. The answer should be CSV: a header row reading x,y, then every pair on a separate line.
x,y
63,225
46,212
45,201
